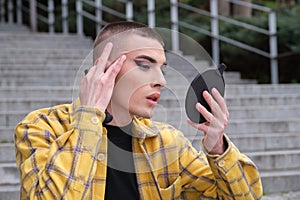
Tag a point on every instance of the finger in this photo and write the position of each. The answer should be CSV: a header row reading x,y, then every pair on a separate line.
x,y
204,112
102,60
202,127
220,100
215,108
114,69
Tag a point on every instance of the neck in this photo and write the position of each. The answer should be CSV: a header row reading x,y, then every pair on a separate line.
x,y
121,117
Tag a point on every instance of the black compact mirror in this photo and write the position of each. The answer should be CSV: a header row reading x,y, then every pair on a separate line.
x,y
210,78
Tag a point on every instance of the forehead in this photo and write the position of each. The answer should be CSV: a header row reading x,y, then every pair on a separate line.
x,y
135,42
127,42
151,54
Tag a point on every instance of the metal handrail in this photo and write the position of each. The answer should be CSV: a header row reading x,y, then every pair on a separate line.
x,y
176,21
216,37
250,5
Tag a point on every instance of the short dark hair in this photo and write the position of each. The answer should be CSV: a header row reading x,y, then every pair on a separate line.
x,y
114,28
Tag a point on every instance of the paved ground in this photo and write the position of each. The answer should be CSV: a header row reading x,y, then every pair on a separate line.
x,y
286,196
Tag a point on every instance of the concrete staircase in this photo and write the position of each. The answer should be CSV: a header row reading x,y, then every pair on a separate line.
x,y
38,70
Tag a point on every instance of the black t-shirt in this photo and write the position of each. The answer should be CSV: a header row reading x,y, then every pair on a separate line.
x,y
121,180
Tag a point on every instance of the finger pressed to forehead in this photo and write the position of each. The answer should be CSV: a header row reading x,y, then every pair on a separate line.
x,y
105,54
103,59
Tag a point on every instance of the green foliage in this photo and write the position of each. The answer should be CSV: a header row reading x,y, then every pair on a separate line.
x,y
249,64
253,66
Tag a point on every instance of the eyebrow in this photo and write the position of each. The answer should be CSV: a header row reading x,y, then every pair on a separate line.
x,y
150,59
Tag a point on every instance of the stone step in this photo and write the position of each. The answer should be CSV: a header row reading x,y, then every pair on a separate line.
x,y
262,89
280,180
263,100
273,182
231,90
43,54
165,101
42,37
7,134
11,117
51,43
7,63
7,152
251,126
9,174
13,28
9,73
265,112
30,91
245,142
44,74
42,51
236,112
243,90
276,160
7,104
36,81
259,142
173,101
73,65
9,192
267,141
265,161
254,126
39,44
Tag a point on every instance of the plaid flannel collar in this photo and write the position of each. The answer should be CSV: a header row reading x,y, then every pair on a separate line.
x,y
142,128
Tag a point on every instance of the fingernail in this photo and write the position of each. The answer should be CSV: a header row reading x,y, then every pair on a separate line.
x,y
122,58
109,44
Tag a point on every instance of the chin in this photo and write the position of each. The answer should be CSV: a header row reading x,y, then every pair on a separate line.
x,y
148,114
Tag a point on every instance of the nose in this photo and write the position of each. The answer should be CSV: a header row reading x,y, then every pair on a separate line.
x,y
159,80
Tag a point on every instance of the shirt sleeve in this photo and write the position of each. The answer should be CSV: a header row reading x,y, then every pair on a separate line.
x,y
56,153
231,175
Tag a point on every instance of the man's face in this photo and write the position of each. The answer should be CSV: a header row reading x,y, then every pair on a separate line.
x,y
137,88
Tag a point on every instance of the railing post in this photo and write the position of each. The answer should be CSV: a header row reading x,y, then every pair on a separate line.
x,y
64,15
10,12
2,11
79,17
51,16
98,15
215,31
174,25
273,47
19,11
33,20
151,13
129,10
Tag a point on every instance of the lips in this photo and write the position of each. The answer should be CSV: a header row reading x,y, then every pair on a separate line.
x,y
153,98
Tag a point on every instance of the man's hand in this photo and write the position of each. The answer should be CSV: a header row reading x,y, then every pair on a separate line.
x,y
97,86
216,122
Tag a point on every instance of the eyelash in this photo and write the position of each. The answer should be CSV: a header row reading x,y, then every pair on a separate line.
x,y
141,64
145,66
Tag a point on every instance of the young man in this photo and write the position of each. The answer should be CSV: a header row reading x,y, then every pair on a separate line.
x,y
74,151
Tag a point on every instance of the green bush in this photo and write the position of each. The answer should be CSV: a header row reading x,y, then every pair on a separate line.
x,y
254,66
249,64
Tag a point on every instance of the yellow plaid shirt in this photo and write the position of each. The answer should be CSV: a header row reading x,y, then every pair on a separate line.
x,y
61,153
